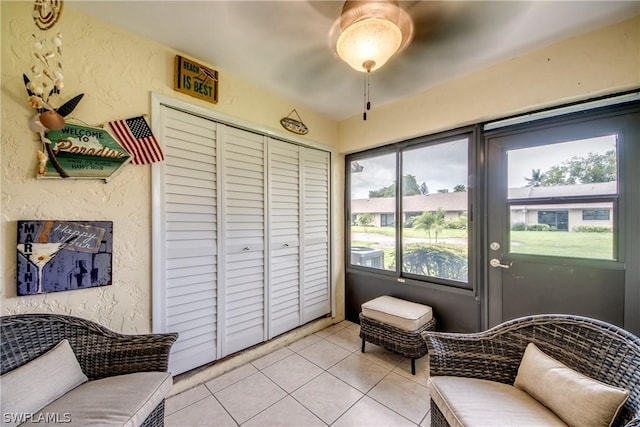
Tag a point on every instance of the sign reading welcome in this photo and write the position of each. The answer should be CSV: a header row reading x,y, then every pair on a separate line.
x,y
84,152
196,80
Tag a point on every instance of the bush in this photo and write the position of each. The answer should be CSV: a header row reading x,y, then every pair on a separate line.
x,y
593,229
541,227
518,226
444,261
456,224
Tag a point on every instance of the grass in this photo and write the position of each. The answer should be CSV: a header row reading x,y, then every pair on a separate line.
x,y
410,232
546,243
561,243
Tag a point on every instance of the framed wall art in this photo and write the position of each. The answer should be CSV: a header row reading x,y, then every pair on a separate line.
x,y
58,256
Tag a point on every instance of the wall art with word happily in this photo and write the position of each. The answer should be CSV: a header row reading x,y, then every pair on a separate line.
x,y
58,256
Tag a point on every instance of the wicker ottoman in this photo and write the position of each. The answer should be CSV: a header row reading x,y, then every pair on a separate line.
x,y
396,324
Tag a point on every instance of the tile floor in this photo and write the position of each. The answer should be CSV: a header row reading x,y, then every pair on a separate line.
x,y
320,380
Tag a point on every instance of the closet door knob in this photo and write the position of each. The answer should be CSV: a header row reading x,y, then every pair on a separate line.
x,y
246,248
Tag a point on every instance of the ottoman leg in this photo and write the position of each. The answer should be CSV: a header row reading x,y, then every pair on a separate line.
x,y
362,345
413,365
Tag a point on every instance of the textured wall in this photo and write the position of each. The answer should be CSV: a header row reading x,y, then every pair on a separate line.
x,y
116,71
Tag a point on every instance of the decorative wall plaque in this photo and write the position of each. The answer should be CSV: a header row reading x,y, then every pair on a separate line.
x,y
58,256
195,79
83,152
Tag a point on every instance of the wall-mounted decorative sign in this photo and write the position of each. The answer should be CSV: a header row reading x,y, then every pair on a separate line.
x,y
195,79
58,256
293,125
83,152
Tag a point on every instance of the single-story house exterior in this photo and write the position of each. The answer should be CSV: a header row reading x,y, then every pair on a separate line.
x,y
543,208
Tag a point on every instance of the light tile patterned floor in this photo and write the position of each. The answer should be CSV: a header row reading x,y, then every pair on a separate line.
x,y
320,380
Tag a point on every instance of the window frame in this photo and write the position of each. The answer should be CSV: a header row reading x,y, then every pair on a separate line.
x,y
473,135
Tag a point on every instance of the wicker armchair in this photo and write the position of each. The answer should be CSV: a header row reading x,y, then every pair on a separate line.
x,y
100,351
597,349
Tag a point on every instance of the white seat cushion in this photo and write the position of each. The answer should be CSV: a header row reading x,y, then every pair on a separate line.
x,y
30,387
402,314
473,402
123,400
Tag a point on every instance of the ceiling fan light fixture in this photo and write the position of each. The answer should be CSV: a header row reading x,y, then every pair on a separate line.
x,y
371,32
368,44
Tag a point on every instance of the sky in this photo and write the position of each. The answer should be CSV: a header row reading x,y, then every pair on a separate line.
x,y
522,161
445,165
438,166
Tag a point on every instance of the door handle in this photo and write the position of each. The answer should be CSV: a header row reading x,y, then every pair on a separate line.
x,y
495,262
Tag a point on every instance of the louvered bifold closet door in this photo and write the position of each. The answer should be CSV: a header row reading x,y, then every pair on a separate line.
x,y
190,233
315,266
243,282
284,231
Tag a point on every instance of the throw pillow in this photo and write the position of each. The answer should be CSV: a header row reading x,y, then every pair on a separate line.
x,y
579,400
32,386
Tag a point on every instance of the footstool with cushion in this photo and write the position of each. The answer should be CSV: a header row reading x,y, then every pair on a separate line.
x,y
396,325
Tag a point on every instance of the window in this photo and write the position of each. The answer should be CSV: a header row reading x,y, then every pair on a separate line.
x,y
387,220
556,220
596,215
569,186
373,191
431,242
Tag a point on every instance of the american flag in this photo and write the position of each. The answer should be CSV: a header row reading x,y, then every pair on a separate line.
x,y
136,137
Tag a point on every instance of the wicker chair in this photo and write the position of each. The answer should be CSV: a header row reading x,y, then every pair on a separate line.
x,y
100,352
594,348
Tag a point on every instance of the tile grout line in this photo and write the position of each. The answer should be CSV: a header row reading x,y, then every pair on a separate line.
x,y
323,370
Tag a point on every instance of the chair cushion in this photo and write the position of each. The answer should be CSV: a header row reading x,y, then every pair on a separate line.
x,y
576,398
402,314
30,387
123,400
474,402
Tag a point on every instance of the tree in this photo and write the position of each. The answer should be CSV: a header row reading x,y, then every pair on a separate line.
x,y
459,188
594,167
409,188
430,221
424,190
364,220
536,178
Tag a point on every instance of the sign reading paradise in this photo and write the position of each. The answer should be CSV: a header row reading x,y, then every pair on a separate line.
x,y
196,80
83,152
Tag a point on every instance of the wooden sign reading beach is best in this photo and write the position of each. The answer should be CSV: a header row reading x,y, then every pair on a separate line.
x,y
196,80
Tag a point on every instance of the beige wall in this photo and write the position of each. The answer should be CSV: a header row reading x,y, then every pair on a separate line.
x,y
117,71
594,64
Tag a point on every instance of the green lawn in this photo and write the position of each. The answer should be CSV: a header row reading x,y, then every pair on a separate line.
x,y
563,243
550,243
410,232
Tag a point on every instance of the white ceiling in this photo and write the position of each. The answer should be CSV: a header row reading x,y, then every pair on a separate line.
x,y
284,46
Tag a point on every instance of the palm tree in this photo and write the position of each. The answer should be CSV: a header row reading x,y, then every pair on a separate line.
x,y
536,178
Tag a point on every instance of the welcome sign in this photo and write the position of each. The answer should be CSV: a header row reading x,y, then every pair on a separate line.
x,y
196,80
83,152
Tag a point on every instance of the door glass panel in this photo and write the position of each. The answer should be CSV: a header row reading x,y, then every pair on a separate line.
x,y
572,230
575,168
434,211
373,206
540,178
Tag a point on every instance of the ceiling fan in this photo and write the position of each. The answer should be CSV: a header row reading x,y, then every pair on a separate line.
x,y
443,31
368,33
